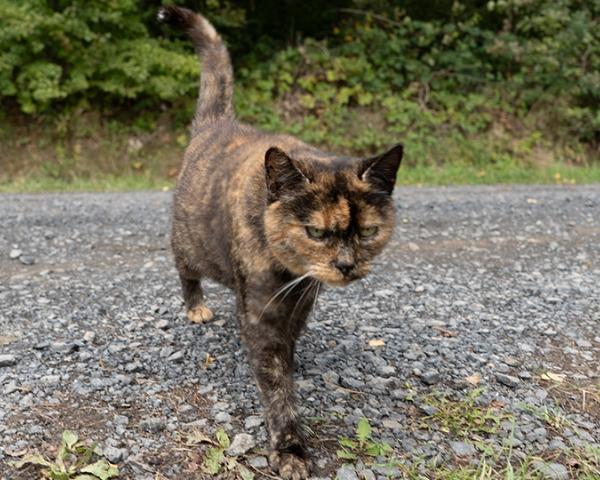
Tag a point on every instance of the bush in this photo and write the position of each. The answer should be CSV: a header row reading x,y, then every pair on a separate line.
x,y
452,69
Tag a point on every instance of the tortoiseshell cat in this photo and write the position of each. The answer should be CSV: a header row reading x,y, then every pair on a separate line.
x,y
271,218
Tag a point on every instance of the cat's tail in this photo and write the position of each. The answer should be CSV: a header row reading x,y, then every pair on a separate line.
x,y
215,99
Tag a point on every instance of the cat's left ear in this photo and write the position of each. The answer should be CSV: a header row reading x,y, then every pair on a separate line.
x,y
381,171
282,173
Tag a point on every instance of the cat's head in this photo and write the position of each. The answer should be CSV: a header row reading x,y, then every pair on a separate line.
x,y
329,217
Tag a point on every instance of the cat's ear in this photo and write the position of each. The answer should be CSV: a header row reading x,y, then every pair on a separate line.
x,y
381,171
282,173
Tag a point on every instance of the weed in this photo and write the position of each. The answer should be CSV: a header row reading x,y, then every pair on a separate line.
x,y
216,460
465,416
363,444
75,460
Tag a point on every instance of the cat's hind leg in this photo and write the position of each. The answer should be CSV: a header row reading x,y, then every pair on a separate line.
x,y
197,311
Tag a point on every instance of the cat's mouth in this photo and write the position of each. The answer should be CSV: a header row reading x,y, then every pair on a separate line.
x,y
338,281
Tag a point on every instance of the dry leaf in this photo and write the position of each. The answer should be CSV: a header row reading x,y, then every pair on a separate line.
x,y
474,379
198,437
376,342
532,201
445,332
208,360
553,377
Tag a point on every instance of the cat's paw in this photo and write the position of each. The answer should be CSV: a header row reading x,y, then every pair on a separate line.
x,y
199,314
290,466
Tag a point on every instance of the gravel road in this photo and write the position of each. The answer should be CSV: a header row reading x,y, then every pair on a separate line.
x,y
494,287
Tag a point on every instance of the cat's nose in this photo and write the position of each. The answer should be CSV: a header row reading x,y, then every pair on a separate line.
x,y
344,266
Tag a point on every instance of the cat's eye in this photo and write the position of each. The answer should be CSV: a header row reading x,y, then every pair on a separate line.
x,y
368,231
314,232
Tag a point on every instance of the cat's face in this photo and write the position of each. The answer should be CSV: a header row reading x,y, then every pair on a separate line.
x,y
329,218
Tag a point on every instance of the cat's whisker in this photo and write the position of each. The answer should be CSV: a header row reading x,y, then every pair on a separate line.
x,y
304,292
287,288
318,289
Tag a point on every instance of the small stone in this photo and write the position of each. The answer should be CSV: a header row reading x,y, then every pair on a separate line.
x,y
398,394
507,380
222,417
346,472
253,422
462,449
330,378
512,361
242,443
367,475
430,377
305,385
26,259
15,253
7,360
50,380
162,324
392,424
89,337
63,347
551,471
177,357
259,462
133,367
114,455
557,444
11,387
153,425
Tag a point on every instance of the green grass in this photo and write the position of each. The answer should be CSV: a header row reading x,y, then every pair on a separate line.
x,y
448,174
468,419
107,183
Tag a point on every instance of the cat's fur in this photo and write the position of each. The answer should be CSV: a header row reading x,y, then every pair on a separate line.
x,y
243,202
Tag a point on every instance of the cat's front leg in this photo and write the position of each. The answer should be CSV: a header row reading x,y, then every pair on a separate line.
x,y
270,337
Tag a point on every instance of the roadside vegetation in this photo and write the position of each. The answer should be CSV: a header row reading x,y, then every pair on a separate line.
x,y
504,91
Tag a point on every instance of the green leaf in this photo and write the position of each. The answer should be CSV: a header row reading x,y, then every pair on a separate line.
x,y
35,459
101,469
57,475
223,438
212,461
245,473
69,439
363,431
346,454
346,442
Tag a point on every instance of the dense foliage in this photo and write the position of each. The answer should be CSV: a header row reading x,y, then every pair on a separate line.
x,y
374,69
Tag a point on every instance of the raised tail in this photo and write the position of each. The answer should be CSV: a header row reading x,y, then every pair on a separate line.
x,y
215,99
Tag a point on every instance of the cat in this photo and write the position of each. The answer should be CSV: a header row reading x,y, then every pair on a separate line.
x,y
273,219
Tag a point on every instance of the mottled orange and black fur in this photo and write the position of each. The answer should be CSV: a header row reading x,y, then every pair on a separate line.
x,y
273,219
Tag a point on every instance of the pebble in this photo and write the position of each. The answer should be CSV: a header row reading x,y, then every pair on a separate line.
x,y
259,462
163,324
26,259
89,337
8,360
222,417
507,380
462,449
241,444
15,253
253,421
153,425
346,472
430,377
114,455
551,471
330,378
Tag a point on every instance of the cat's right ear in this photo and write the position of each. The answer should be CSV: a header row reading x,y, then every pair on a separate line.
x,y
282,173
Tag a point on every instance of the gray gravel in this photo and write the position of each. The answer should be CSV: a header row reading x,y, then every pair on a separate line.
x,y
499,282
